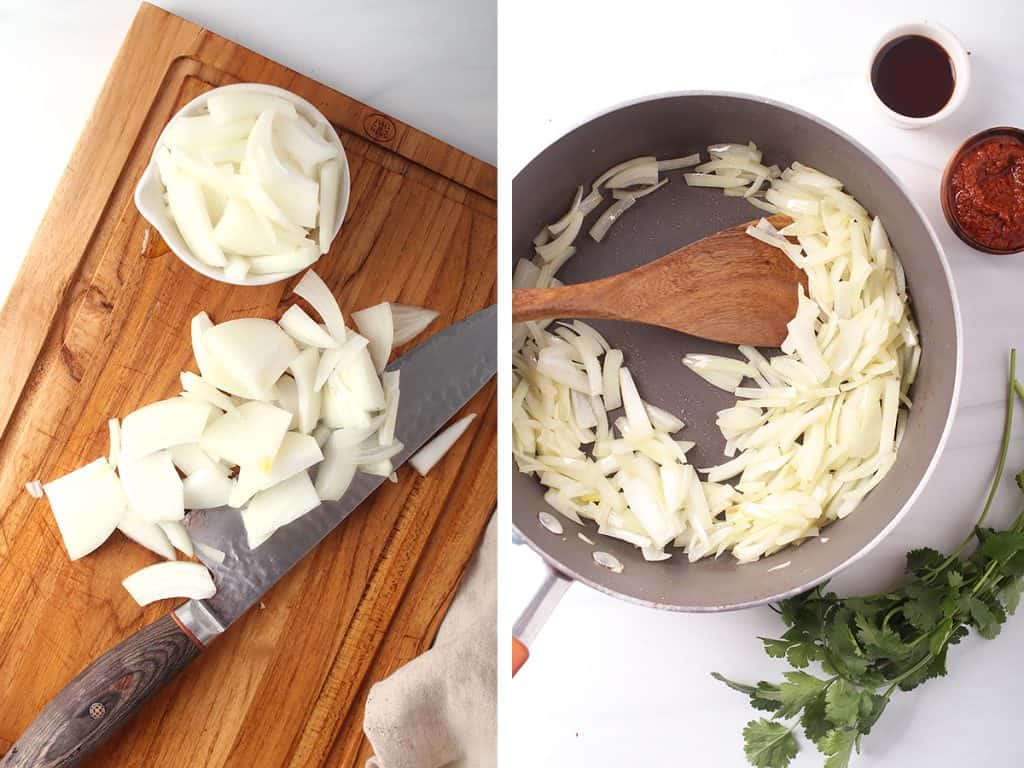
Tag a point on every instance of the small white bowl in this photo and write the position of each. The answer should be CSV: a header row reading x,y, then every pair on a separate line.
x,y
149,194
961,70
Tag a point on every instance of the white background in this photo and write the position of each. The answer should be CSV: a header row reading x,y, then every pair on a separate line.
x,y
614,685
428,63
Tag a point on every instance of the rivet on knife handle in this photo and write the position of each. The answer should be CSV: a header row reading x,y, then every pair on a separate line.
x,y
103,697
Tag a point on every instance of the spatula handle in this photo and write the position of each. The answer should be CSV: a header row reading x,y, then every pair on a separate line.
x,y
581,300
103,697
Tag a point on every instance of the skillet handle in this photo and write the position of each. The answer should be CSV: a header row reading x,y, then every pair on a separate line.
x,y
536,613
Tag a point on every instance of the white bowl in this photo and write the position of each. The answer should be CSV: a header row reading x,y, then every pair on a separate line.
x,y
961,70
149,194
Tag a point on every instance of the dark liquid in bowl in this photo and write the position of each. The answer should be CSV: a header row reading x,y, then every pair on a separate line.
x,y
914,76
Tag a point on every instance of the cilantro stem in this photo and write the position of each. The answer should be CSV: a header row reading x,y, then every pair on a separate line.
x,y
1011,387
916,668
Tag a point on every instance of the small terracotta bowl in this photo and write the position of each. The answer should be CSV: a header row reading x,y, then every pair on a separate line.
x,y
946,187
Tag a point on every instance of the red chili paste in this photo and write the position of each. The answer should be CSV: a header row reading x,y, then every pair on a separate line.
x,y
988,193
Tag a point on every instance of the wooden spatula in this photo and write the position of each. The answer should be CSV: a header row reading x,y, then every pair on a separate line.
x,y
727,287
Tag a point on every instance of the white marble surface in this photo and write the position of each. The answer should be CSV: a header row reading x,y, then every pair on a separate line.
x,y
430,64
610,684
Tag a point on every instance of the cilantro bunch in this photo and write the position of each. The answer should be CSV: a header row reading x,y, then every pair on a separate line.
x,y
869,647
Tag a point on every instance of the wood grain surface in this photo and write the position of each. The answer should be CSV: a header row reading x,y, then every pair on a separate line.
x,y
726,287
97,325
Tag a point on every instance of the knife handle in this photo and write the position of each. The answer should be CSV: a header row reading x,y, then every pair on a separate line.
x,y
103,697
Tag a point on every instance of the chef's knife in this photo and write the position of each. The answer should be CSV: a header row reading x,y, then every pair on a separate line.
x,y
438,377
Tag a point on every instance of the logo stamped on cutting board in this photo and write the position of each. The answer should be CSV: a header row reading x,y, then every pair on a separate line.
x,y
379,127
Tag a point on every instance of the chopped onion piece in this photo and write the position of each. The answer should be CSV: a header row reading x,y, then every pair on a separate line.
x,y
254,349
236,104
198,131
335,473
636,414
303,144
292,259
304,329
206,489
190,458
377,325
187,206
358,376
616,169
146,533
205,391
431,453
251,434
166,580
313,289
679,162
211,368
153,487
639,175
298,452
390,379
209,554
713,180
114,426
178,535
610,216
161,425
304,369
330,174
87,504
321,433
277,506
242,230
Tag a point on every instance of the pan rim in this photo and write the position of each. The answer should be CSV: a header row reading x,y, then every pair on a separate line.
x,y
940,447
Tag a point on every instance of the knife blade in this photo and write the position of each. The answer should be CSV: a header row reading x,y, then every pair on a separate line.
x,y
438,377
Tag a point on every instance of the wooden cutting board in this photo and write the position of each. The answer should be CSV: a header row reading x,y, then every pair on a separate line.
x,y
97,325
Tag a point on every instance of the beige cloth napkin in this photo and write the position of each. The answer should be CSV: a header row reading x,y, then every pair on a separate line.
x,y
440,709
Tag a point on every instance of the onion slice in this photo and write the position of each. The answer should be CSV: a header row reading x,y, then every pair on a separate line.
x,y
166,580
431,453
377,324
283,503
153,487
146,533
410,322
304,329
87,504
313,289
161,425
178,536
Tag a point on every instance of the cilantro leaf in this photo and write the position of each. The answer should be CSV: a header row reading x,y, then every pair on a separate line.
x,y
814,720
987,618
801,655
1002,546
871,707
923,608
920,561
838,745
1011,594
842,703
774,647
764,696
879,642
768,744
844,647
798,691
